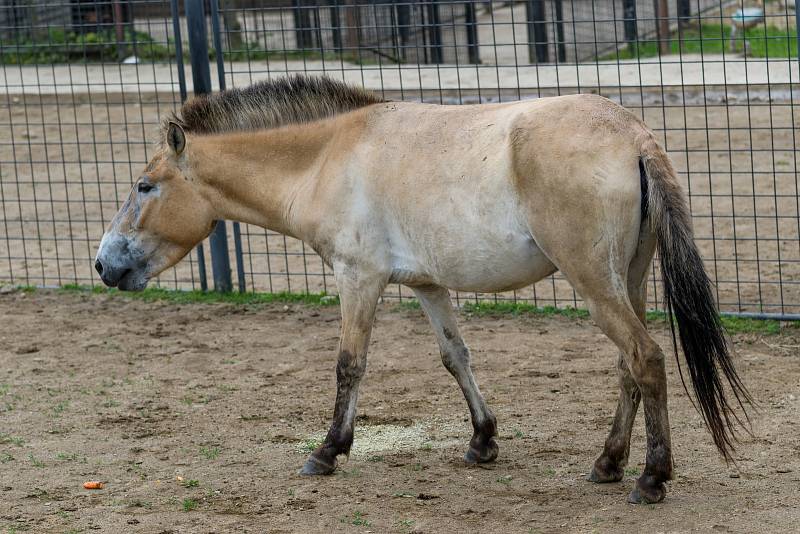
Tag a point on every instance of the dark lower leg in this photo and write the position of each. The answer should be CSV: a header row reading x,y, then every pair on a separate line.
x,y
483,445
650,487
609,467
340,434
650,375
645,361
359,295
456,359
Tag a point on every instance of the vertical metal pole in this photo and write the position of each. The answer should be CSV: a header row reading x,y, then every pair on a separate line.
x,y
201,77
176,30
473,51
435,32
537,31
404,23
662,26
631,29
119,26
797,23
684,13
559,20
217,36
352,35
336,27
237,231
302,24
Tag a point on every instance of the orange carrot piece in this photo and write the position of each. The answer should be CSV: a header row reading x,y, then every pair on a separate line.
x,y
93,484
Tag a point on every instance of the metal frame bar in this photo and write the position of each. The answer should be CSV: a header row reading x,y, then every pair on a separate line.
x,y
201,77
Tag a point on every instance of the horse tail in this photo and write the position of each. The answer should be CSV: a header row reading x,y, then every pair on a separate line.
x,y
689,298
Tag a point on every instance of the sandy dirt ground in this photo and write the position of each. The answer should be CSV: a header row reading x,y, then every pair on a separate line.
x,y
197,418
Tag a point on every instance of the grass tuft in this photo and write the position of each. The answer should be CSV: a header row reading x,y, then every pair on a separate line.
x,y
356,519
210,453
7,438
311,444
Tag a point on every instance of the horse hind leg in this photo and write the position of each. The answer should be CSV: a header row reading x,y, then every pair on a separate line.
x,y
609,467
456,358
595,271
645,361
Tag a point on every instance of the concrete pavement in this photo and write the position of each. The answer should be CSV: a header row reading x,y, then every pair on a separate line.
x,y
671,72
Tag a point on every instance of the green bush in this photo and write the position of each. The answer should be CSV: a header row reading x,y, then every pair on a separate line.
x,y
59,46
765,41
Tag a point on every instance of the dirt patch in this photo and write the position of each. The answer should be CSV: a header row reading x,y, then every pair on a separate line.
x,y
197,418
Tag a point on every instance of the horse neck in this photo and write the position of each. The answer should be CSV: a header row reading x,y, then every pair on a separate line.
x,y
264,177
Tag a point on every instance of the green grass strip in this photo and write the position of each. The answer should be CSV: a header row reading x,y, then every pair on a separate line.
x,y
209,297
733,324
765,41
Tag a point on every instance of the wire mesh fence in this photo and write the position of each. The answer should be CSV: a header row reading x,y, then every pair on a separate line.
x,y
85,83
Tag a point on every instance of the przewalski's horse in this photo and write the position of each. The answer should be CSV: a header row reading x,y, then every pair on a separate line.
x,y
482,198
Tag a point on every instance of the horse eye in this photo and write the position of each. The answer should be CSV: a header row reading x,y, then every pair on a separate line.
x,y
144,187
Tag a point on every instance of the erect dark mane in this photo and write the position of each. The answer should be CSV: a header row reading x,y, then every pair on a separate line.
x,y
269,104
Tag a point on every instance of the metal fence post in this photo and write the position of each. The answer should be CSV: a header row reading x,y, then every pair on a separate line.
x,y
237,232
434,32
471,22
176,30
684,13
303,26
797,23
201,77
662,26
404,29
537,31
630,24
559,21
336,27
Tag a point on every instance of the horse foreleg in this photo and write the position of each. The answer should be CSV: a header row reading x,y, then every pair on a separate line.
x,y
358,294
455,356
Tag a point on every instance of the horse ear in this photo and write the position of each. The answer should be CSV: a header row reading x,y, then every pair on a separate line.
x,y
176,138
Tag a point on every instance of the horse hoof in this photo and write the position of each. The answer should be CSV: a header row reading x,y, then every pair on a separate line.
x,y
604,472
482,455
315,466
647,492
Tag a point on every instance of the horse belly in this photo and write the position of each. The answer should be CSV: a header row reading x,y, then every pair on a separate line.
x,y
498,268
482,264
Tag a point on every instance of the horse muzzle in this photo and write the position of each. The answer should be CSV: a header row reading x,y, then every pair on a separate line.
x,y
124,279
117,265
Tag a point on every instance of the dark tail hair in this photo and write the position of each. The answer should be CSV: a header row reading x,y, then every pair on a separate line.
x,y
689,299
